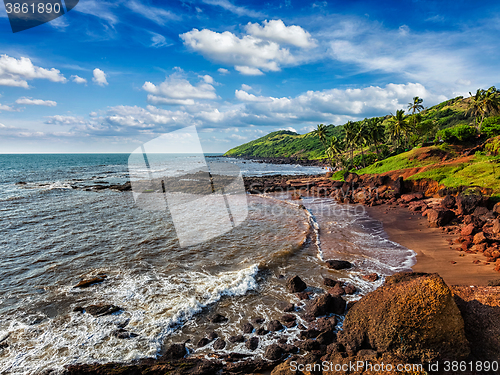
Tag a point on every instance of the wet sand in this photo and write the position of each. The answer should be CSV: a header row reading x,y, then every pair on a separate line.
x,y
434,252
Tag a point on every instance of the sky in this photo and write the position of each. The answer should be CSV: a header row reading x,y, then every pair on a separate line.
x,y
109,76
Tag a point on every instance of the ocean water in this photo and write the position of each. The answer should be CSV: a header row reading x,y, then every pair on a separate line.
x,y
54,232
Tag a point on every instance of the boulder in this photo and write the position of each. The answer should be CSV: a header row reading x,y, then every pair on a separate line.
x,y
326,304
468,230
217,318
289,308
350,289
338,264
274,325
295,284
175,351
398,186
203,342
330,282
407,198
219,344
496,226
439,218
336,291
273,352
496,208
237,338
479,238
466,204
247,328
412,314
372,277
212,336
481,211
448,202
351,178
252,343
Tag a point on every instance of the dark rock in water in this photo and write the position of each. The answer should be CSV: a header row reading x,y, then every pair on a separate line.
x,y
309,345
289,308
4,345
326,304
258,320
336,291
288,318
86,283
330,282
261,331
350,289
79,309
248,328
448,202
303,295
274,325
238,338
212,336
219,344
372,277
273,352
203,342
338,264
124,334
217,318
21,183
288,348
252,343
175,351
324,324
101,310
413,314
295,285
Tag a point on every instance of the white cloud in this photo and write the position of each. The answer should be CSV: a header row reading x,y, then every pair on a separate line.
x,y
64,120
208,79
7,108
248,54
246,97
240,11
276,31
29,101
100,9
178,90
158,40
17,72
78,79
157,15
223,71
246,87
99,77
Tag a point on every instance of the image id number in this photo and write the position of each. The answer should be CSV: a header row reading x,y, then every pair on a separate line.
x,y
32,8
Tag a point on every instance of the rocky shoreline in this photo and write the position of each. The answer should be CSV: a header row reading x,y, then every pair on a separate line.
x,y
283,160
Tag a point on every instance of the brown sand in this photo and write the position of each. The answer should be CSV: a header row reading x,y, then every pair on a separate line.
x,y
434,252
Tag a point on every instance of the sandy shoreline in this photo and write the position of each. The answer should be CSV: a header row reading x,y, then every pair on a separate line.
x,y
434,251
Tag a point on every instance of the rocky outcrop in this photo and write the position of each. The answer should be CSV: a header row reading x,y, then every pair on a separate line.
x,y
295,284
413,315
326,304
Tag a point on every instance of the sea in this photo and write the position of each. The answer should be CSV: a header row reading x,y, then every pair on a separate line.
x,y
56,230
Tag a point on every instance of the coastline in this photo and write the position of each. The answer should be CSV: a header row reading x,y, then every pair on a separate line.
x,y
434,252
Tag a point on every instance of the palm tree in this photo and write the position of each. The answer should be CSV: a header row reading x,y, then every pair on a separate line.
x,y
398,126
350,132
416,105
320,132
375,131
483,103
361,139
334,151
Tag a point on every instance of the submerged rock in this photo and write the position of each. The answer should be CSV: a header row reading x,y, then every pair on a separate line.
x,y
102,310
412,314
217,318
95,280
338,264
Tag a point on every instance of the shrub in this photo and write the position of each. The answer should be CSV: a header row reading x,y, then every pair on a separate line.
x,y
493,146
491,126
459,133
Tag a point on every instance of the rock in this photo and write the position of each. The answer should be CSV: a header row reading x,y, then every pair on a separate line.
x,y
481,211
439,218
203,342
175,351
285,369
309,345
324,324
274,325
468,230
479,238
303,295
372,277
79,309
351,178
412,314
407,198
338,264
124,334
398,186
350,289
247,328
496,226
238,338
86,283
258,320
466,204
212,336
336,291
219,344
496,208
261,331
295,285
273,352
326,304
448,202
252,343
217,318
101,310
289,308
287,318
330,282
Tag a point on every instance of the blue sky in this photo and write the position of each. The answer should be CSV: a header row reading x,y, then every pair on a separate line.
x,y
108,76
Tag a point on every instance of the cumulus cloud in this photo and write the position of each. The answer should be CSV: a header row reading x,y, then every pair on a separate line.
x,y
246,87
17,72
249,54
64,120
223,71
178,90
29,101
78,79
276,31
246,97
7,108
99,77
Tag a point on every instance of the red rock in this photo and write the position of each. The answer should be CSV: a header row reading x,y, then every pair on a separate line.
x,y
496,208
479,238
495,254
439,218
336,291
496,226
372,277
453,262
465,245
468,230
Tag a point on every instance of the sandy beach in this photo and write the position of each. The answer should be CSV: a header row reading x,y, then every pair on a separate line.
x,y
433,248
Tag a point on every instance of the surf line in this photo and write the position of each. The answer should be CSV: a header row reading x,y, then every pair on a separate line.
x,y
311,220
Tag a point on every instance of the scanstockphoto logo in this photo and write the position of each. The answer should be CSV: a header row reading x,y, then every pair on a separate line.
x,y
204,199
25,14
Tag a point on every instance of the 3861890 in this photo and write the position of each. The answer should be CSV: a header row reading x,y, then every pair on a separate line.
x,y
39,8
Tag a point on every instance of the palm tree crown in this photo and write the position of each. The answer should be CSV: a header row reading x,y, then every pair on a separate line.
x,y
416,105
